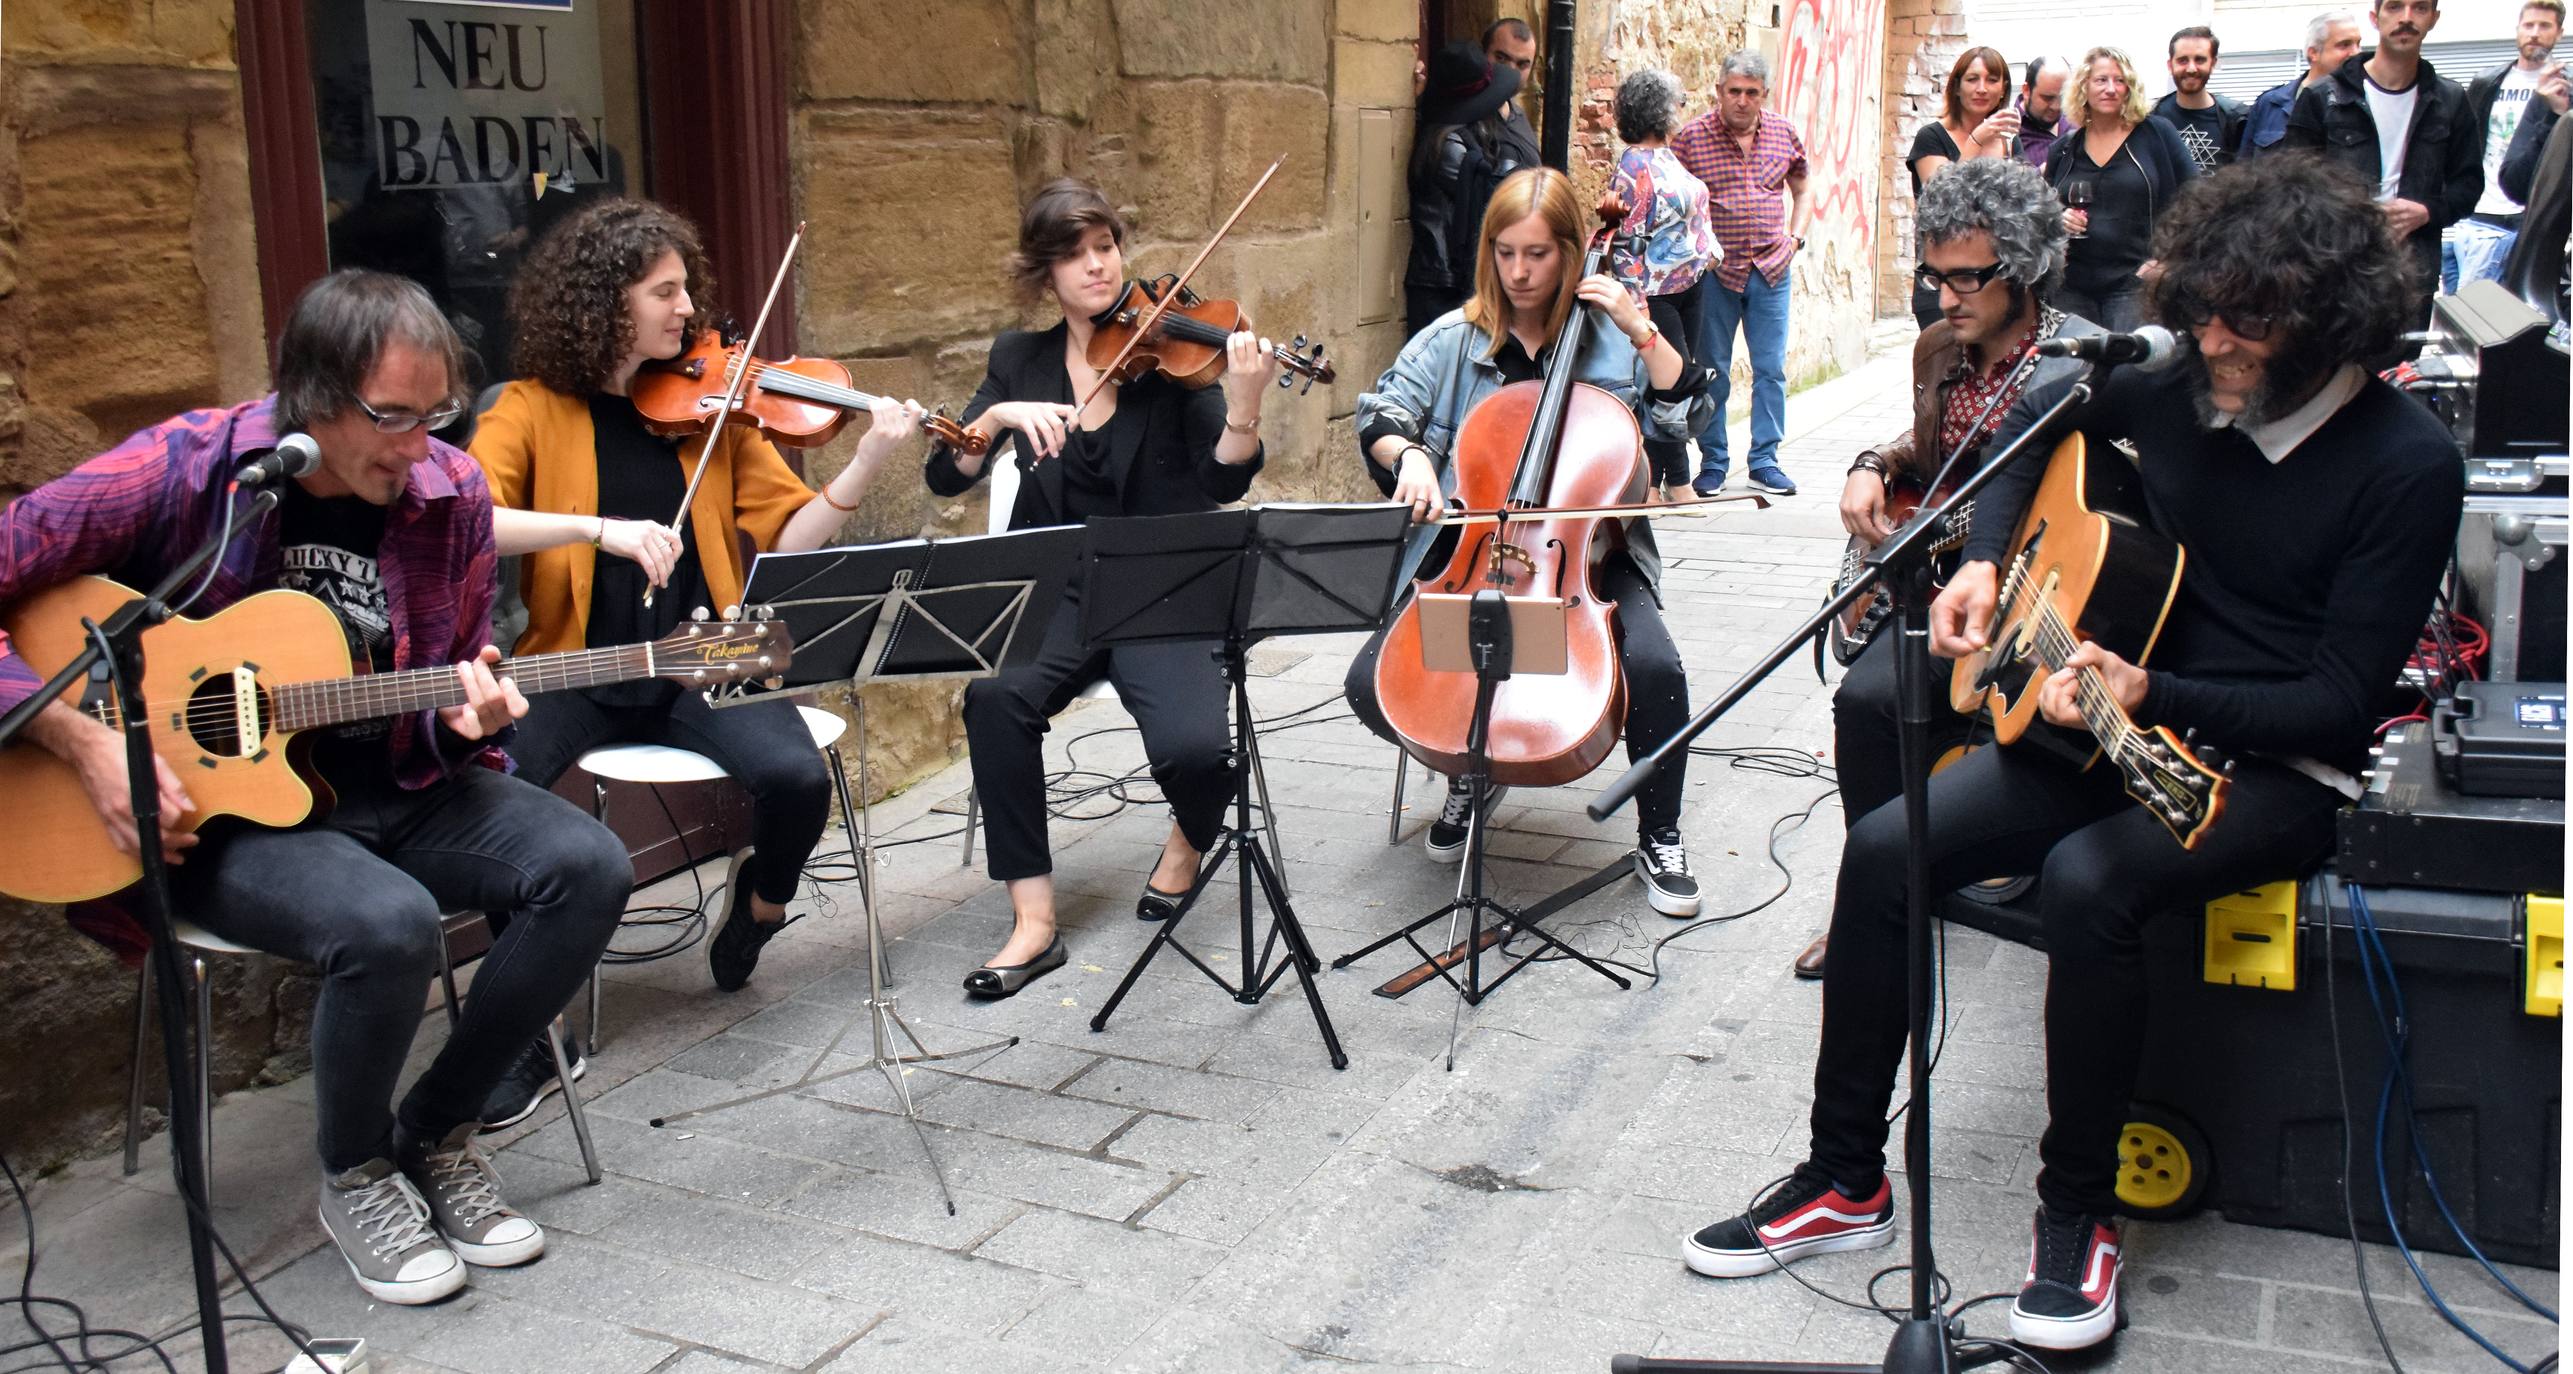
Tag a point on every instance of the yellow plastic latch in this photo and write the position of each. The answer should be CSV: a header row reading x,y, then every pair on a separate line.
x,y
2251,938
2545,981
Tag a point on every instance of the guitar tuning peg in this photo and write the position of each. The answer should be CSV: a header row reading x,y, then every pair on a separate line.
x,y
698,615
2189,736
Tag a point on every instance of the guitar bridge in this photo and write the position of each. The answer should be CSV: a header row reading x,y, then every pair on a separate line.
x,y
246,733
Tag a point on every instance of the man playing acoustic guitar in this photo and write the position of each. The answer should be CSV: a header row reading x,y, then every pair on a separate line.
x,y
2317,506
394,533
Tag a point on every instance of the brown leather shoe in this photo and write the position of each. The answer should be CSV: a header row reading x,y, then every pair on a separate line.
x,y
1810,963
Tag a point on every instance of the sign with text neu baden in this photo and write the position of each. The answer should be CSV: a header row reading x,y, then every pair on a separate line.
x,y
476,94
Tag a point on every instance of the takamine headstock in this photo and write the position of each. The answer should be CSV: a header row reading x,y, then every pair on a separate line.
x,y
2181,782
713,653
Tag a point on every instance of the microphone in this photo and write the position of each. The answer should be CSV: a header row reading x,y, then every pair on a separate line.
x,y
2150,348
295,455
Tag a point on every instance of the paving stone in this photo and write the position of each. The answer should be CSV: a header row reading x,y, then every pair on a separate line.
x,y
1155,1087
684,1302
965,1295
721,1235
1086,1323
1221,1210
1048,1178
1151,1264
905,1346
1068,1122
898,1199
2335,1323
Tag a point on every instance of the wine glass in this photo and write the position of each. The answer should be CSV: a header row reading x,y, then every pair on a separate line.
x,y
2077,196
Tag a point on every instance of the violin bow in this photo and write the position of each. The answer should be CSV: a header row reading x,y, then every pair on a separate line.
x,y
732,393
1153,316
1648,510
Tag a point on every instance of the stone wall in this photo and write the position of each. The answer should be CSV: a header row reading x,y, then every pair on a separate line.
x,y
1923,40
914,147
1823,56
125,295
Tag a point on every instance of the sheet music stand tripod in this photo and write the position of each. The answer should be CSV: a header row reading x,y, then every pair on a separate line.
x,y
914,609
1234,577
1498,636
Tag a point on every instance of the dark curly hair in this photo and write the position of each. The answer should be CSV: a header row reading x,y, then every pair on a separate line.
x,y
1053,227
2299,240
567,303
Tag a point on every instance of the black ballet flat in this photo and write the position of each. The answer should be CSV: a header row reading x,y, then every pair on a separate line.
x,y
1157,905
995,981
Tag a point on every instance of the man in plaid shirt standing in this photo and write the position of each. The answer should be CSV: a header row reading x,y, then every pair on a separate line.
x,y
1747,156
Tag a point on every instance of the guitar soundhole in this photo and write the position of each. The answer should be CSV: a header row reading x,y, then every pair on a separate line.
x,y
214,724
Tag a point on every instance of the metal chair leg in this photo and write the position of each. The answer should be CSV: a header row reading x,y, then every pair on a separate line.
x,y
1394,814
554,1032
134,1083
973,816
447,980
205,1074
599,813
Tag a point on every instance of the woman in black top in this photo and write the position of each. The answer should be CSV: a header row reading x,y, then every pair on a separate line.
x,y
1976,121
1151,447
2131,166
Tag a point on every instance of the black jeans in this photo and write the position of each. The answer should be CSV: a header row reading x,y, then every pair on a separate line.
x,y
1866,726
2107,867
1657,688
360,894
1175,692
763,745
1675,315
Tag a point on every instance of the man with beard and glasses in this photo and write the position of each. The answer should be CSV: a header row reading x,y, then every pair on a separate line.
x,y
2317,505
2406,130
1992,251
2210,125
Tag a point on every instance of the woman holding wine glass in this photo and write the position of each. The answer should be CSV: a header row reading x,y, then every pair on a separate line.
x,y
2116,172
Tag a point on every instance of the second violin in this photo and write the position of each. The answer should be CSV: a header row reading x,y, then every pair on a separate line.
x,y
1185,340
798,402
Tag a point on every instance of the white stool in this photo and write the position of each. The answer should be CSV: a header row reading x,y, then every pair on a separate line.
x,y
196,945
657,765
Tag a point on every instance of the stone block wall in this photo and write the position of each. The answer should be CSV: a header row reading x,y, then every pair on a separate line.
x,y
914,146
125,296
1922,42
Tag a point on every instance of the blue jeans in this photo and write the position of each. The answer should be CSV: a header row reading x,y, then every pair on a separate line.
x,y
2472,251
1760,312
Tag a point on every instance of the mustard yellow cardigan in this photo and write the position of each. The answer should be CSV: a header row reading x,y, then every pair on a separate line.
x,y
539,452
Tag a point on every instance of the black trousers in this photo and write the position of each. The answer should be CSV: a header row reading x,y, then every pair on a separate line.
x,y
359,894
2106,869
764,745
1175,692
1675,315
1866,727
1657,688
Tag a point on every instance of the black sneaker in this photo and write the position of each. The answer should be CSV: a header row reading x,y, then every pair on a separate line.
x,y
1446,842
733,951
1803,1216
1662,861
530,1080
2070,1298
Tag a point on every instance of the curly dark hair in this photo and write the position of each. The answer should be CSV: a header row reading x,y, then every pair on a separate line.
x,y
567,303
2298,240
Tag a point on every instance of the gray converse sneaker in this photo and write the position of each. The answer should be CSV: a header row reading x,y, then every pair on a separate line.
x,y
382,1229
463,1193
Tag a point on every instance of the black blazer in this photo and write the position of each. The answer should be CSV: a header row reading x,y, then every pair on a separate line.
x,y
1163,459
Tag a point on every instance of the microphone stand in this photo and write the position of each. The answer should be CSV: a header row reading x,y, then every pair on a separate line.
x,y
1924,1342
115,655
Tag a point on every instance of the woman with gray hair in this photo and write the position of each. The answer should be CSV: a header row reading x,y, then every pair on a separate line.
x,y
1666,244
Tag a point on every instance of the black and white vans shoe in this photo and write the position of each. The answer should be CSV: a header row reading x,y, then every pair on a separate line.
x,y
1662,861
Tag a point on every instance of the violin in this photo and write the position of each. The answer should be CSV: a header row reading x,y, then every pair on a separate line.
x,y
1530,457
1185,341
797,402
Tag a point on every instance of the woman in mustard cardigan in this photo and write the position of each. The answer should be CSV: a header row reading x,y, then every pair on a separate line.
x,y
574,472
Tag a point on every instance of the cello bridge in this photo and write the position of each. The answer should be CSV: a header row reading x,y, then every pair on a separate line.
x,y
1517,562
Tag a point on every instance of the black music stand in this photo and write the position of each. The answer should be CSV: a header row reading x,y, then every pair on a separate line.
x,y
1490,647
1230,578
913,609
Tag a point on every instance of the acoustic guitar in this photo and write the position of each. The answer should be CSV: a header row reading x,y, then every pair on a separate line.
x,y
228,694
2084,566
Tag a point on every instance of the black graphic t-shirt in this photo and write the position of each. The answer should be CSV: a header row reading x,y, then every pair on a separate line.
x,y
2200,131
328,546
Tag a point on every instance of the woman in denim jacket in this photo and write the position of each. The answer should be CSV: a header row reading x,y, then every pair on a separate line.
x,y
1526,285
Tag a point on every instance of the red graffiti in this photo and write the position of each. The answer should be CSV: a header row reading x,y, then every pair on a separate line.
x,y
1831,56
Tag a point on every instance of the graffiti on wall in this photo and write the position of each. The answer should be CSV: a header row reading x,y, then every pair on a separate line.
x,y
1830,60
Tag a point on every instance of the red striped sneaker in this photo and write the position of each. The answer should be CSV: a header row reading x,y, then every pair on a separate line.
x,y
2070,1298
1803,1216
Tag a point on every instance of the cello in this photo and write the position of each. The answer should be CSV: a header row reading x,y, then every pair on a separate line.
x,y
1532,451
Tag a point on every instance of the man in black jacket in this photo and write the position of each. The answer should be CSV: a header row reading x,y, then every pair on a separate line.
x,y
2387,116
1462,147
2210,125
2496,102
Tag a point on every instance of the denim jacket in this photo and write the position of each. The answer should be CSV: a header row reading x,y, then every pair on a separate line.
x,y
1442,374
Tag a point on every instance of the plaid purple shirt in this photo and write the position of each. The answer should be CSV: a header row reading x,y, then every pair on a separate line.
x,y
135,511
1743,193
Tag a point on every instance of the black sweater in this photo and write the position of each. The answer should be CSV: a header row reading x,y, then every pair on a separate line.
x,y
2307,580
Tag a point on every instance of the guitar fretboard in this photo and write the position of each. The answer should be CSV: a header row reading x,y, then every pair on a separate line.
x,y
369,696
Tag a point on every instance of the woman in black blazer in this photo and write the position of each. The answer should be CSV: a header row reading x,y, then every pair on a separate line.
x,y
2133,166
1151,447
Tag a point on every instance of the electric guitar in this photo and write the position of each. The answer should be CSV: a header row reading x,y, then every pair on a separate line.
x,y
2084,566
1855,627
229,693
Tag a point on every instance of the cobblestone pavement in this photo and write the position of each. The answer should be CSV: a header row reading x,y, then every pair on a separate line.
x,y
1196,1189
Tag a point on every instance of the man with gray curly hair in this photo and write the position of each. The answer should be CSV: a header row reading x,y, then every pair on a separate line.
x,y
1992,249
